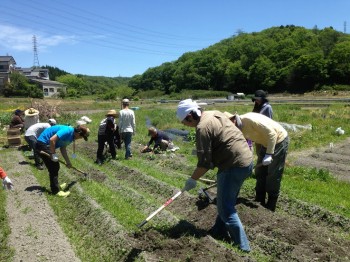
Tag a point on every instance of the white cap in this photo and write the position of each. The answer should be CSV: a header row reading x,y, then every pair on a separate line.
x,y
185,107
52,121
86,119
126,101
81,122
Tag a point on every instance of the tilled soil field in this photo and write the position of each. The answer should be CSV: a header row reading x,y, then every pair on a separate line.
x,y
335,158
297,231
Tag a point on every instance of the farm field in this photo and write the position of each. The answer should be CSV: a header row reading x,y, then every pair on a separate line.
x,y
98,221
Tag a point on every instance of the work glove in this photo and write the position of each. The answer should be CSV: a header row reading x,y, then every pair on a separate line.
x,y
267,160
190,184
7,183
54,157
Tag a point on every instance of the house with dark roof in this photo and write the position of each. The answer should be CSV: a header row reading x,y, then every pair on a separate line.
x,y
39,76
7,65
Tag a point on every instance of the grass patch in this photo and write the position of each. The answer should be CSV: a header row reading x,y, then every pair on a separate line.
x,y
118,205
7,252
317,187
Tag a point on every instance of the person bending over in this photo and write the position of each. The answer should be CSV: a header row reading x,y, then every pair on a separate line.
x,y
160,139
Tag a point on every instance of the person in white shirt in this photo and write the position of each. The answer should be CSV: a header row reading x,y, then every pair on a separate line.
x,y
31,117
31,136
127,126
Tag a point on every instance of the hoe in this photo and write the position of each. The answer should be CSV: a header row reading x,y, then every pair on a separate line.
x,y
76,169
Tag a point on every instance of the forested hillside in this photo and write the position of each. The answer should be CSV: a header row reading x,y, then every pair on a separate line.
x,y
279,59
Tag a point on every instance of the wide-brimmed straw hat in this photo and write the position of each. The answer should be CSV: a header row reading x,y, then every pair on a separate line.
x,y
112,113
31,112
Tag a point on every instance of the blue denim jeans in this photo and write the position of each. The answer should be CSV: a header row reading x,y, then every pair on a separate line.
x,y
127,141
229,184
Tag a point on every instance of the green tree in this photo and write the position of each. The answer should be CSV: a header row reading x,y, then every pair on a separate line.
x,y
262,74
75,85
309,70
20,86
339,66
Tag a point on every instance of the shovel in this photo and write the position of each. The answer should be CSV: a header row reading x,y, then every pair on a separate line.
x,y
76,169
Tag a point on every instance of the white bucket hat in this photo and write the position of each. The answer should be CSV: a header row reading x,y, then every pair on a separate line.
x,y
185,107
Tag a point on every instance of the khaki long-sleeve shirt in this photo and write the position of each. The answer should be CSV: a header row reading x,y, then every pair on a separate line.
x,y
262,130
220,143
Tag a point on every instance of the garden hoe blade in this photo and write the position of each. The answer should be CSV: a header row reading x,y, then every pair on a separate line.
x,y
204,195
168,202
76,169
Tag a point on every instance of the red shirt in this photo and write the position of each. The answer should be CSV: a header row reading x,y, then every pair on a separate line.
x,y
2,173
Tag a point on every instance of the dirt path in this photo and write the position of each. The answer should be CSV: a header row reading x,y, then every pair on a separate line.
x,y
35,232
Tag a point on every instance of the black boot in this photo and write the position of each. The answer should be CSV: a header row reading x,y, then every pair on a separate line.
x,y
271,203
260,197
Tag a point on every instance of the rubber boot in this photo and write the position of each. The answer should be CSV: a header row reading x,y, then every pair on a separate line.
x,y
271,203
260,197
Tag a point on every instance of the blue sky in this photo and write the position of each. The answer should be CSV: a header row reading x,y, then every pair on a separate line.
x,y
125,38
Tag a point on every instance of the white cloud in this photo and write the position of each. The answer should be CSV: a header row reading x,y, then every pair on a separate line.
x,y
21,39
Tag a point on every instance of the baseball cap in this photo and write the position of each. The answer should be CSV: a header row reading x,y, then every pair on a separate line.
x,y
125,101
52,121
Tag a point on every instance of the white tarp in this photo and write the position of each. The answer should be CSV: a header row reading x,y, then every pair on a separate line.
x,y
295,127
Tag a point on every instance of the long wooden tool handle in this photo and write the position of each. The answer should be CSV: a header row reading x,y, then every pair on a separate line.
x,y
48,155
168,202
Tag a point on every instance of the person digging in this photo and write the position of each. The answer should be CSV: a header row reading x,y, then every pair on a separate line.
x,y
31,137
52,138
160,139
106,133
220,144
271,157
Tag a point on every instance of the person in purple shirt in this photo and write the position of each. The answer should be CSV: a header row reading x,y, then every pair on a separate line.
x,y
52,138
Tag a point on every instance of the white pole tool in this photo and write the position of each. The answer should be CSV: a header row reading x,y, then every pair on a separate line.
x,y
168,202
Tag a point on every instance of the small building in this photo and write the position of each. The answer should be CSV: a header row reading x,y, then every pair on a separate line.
x,y
50,88
7,65
232,97
41,77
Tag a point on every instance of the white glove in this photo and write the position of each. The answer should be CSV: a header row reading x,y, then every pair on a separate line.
x,y
7,183
190,184
54,157
267,160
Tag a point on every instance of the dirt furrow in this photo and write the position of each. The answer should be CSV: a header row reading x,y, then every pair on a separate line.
x,y
35,232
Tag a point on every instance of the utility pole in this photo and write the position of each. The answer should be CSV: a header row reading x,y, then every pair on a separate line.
x,y
344,27
35,49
